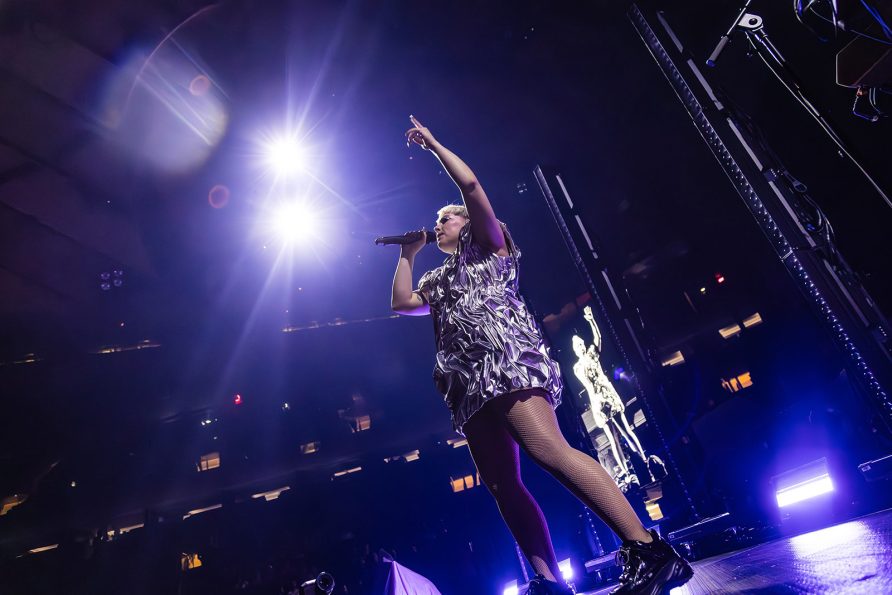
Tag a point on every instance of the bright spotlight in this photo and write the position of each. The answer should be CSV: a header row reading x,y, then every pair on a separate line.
x,y
293,223
810,488
286,157
566,569
510,588
803,483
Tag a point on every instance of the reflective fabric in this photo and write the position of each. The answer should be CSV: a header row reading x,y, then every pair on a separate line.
x,y
609,401
488,343
402,581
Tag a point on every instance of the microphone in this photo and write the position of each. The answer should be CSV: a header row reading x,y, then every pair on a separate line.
x,y
407,238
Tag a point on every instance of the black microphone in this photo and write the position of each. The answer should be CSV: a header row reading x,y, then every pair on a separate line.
x,y
407,238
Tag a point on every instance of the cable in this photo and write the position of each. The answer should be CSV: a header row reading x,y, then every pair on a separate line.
x,y
875,14
836,25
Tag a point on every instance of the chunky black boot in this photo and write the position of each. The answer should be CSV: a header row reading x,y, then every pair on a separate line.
x,y
539,585
651,568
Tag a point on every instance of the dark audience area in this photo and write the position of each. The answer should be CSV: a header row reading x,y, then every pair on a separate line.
x,y
346,526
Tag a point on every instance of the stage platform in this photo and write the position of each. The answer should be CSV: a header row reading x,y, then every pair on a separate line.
x,y
852,557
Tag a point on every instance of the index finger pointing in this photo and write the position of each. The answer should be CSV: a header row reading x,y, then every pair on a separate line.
x,y
415,121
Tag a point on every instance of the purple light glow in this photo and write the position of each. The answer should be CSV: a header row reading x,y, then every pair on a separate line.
x,y
804,490
566,569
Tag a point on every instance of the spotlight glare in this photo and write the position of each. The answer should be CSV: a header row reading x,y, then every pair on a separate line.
x,y
286,157
293,222
566,569
510,588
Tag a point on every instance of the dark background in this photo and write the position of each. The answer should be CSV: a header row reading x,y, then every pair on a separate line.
x,y
96,178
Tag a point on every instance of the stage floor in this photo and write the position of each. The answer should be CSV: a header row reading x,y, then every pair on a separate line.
x,y
852,557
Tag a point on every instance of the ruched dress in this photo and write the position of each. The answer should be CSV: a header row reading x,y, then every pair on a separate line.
x,y
488,343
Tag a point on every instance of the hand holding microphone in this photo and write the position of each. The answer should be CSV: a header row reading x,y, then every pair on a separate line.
x,y
410,242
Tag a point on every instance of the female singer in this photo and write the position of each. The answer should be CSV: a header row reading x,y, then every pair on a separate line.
x,y
501,386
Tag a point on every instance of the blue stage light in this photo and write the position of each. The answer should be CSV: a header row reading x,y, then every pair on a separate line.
x,y
566,568
803,483
806,490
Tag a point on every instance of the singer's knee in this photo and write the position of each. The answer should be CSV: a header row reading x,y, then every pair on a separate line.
x,y
502,484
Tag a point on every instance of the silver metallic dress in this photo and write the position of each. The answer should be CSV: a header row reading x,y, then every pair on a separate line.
x,y
488,343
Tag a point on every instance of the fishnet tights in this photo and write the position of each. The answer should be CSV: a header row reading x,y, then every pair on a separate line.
x,y
526,419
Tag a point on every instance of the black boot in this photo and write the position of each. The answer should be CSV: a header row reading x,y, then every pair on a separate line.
x,y
539,585
651,568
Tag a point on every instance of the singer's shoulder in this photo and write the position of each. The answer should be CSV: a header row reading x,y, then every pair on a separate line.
x,y
430,278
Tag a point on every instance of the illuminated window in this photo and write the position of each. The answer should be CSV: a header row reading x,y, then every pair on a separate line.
x,y
361,423
464,483
674,359
752,320
309,448
189,561
358,423
197,511
144,344
209,461
346,472
730,331
457,442
272,494
408,457
11,502
111,533
737,383
28,358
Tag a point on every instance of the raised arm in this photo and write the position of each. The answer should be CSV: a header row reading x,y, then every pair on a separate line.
x,y
486,228
596,332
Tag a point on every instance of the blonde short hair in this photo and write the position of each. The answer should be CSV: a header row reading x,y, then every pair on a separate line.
x,y
459,210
